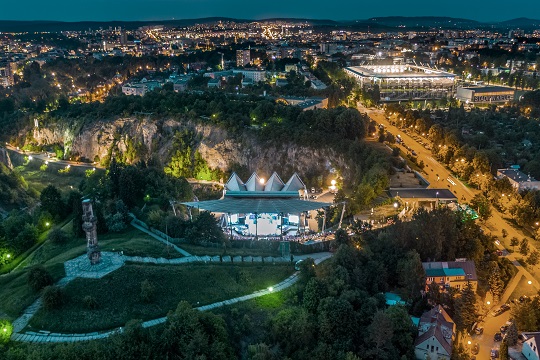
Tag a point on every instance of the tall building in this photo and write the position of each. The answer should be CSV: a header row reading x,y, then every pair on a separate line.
x,y
7,71
243,57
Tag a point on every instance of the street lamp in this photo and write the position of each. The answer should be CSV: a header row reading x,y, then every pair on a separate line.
x,y
271,288
529,282
396,205
488,303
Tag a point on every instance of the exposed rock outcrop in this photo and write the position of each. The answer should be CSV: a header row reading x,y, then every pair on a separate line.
x,y
220,150
5,159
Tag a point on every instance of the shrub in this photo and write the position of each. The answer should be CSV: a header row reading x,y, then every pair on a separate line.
x,y
115,223
57,236
6,329
38,278
53,297
90,302
148,290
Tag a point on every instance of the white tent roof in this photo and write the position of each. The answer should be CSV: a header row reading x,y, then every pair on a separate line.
x,y
274,183
294,184
235,183
254,183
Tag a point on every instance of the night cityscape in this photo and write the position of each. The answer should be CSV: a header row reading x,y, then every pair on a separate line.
x,y
210,180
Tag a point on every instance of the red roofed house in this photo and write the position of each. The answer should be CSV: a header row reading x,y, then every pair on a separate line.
x,y
436,332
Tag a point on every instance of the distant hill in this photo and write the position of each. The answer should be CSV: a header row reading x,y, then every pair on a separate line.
x,y
424,21
383,23
521,22
54,26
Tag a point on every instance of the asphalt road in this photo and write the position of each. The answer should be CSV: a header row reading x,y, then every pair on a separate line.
x,y
437,175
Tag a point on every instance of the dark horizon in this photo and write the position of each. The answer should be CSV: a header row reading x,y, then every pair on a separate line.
x,y
164,10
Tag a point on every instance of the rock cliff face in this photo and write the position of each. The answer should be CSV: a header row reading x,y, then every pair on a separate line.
x,y
5,159
221,150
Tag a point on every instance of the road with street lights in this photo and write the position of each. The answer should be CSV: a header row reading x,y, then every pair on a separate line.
x,y
46,159
440,177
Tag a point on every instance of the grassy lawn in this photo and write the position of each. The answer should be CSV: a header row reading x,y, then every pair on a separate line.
x,y
119,294
215,251
522,288
16,295
131,241
39,179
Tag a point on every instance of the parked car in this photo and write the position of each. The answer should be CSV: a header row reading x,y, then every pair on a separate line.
x,y
523,298
504,329
494,354
479,330
498,336
475,349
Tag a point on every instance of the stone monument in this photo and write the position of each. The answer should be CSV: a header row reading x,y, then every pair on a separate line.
x,y
89,227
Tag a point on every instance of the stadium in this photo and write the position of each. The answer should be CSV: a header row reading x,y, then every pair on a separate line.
x,y
404,82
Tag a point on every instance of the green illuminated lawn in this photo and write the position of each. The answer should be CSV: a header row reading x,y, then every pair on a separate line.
x,y
119,293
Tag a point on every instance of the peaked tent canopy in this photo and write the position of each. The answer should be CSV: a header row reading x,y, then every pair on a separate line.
x,y
257,205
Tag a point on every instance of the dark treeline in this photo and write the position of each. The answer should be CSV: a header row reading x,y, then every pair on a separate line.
x,y
336,311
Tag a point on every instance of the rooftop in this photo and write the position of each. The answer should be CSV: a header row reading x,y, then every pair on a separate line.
x,y
516,175
398,71
489,89
454,268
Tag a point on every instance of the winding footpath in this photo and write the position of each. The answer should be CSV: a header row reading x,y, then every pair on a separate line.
x,y
80,268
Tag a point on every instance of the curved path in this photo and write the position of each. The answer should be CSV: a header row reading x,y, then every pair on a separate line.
x,y
113,261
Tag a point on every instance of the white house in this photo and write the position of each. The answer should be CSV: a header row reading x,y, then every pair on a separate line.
x,y
436,332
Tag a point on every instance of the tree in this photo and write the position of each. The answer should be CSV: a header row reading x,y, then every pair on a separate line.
x,y
411,274
533,258
524,246
193,334
482,205
313,293
512,334
148,291
38,278
6,329
514,241
503,350
341,237
53,297
381,329
205,228
57,236
495,283
51,202
465,312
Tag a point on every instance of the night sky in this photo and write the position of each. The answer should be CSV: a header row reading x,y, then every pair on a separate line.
x,y
103,10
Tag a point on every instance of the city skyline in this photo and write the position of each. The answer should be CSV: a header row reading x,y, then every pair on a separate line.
x,y
144,10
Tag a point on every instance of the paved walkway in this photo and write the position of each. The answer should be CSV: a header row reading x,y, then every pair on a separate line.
x,y
43,336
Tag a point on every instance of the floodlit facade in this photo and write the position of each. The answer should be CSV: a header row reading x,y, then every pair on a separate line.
x,y
404,82
485,94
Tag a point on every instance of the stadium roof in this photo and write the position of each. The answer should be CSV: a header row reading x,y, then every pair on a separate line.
x,y
244,205
398,71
